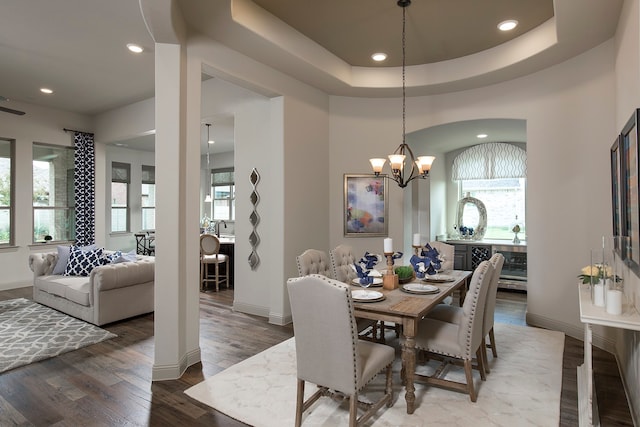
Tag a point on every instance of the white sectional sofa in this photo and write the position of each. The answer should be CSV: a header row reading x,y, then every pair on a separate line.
x,y
109,293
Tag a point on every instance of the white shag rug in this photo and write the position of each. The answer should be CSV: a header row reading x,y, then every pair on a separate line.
x,y
523,389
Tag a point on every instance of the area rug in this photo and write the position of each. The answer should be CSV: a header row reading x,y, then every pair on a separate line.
x,y
522,389
30,332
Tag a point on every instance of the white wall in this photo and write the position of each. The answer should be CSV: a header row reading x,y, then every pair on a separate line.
x,y
39,124
570,127
627,66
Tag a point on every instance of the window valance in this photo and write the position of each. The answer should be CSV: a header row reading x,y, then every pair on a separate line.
x,y
492,160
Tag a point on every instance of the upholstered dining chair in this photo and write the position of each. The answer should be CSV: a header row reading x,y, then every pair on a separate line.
x,y
336,361
314,261
342,259
452,314
210,255
447,251
458,340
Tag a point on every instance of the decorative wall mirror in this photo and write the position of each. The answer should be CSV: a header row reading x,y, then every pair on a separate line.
x,y
472,214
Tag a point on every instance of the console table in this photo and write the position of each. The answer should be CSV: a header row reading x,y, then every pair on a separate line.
x,y
592,315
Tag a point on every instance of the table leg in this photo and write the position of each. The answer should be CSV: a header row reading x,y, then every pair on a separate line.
x,y
409,365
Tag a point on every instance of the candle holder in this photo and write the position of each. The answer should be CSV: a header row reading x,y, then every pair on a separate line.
x,y
390,279
416,249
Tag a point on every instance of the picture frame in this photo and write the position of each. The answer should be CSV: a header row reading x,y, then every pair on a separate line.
x,y
617,207
365,206
629,191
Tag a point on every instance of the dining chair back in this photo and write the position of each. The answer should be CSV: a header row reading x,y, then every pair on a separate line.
x,y
342,260
336,360
313,261
446,251
210,255
497,261
461,340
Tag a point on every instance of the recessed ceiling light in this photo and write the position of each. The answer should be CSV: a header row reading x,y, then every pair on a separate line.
x,y
482,135
507,25
379,56
46,90
135,48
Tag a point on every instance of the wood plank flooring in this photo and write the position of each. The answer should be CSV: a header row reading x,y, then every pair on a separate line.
x,y
109,384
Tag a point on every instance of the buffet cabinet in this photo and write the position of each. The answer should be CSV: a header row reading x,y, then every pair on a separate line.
x,y
469,254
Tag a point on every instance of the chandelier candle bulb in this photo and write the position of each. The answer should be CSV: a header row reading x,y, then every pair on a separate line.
x,y
388,245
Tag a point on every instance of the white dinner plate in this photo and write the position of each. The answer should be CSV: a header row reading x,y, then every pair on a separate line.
x,y
377,282
362,295
438,278
419,288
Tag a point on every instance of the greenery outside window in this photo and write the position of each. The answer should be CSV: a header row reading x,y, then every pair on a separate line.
x,y
6,191
504,199
120,180
53,193
223,190
148,201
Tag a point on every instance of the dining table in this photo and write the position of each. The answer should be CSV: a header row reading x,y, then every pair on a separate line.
x,y
407,309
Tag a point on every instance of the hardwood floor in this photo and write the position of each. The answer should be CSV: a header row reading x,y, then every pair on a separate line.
x,y
109,384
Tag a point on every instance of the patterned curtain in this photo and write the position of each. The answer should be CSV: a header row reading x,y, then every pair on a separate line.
x,y
492,160
84,185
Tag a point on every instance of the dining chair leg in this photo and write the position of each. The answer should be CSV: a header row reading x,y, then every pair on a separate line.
x,y
353,410
469,375
299,402
492,340
485,359
480,356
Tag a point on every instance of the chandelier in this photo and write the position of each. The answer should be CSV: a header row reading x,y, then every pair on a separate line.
x,y
208,199
402,157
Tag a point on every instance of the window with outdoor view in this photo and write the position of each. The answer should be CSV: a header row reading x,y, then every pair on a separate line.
x,y
53,195
120,180
148,201
223,190
494,173
6,191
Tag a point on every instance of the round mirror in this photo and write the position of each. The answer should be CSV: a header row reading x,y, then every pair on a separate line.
x,y
471,218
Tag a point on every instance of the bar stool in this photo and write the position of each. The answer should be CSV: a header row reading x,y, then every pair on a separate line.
x,y
210,254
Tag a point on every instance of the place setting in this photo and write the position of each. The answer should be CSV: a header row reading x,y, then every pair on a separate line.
x,y
419,288
368,276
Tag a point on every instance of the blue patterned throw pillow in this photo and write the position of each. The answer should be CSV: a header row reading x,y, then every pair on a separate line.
x,y
82,262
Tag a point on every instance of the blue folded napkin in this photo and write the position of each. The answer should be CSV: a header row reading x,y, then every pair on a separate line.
x,y
365,268
428,262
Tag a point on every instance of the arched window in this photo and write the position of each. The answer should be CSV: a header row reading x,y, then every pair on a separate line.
x,y
495,173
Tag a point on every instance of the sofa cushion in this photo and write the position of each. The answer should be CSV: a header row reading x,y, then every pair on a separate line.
x,y
73,288
63,257
82,262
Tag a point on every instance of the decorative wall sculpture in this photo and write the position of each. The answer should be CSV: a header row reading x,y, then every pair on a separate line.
x,y
254,219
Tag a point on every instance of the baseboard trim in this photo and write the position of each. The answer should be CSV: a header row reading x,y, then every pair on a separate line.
x,y
571,330
280,319
253,309
175,371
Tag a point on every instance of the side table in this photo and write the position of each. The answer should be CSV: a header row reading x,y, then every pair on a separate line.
x,y
592,315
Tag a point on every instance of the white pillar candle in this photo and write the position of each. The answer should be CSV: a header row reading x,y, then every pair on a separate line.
x,y
598,295
614,302
416,239
388,245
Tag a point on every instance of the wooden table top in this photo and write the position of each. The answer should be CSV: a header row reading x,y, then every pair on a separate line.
x,y
403,304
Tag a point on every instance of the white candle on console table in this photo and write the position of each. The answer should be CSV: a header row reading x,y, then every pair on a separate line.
x,y
416,239
614,302
388,245
598,295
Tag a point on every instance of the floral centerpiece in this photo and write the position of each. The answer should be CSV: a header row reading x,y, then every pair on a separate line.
x,y
595,272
